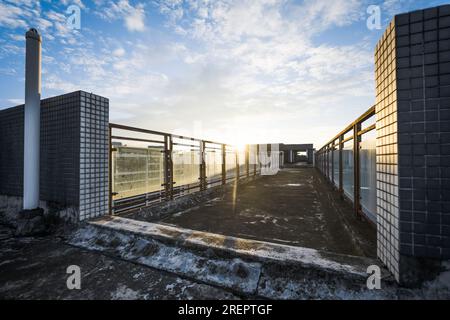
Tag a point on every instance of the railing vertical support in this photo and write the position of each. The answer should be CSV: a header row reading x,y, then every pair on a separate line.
x,y
203,177
341,165
237,165
356,168
324,161
257,159
168,167
247,160
332,164
110,200
224,167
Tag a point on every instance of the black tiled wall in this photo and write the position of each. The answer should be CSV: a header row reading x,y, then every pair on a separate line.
x,y
423,94
11,151
72,124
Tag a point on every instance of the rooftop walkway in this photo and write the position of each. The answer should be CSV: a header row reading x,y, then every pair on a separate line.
x,y
296,207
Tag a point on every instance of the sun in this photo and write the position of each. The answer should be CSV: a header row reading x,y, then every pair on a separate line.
x,y
240,146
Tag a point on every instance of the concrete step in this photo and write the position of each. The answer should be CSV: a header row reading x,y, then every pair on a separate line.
x,y
246,267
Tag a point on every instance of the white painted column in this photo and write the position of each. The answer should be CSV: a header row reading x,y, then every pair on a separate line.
x,y
32,120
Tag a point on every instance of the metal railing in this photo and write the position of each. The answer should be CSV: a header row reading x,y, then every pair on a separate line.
x,y
348,161
149,166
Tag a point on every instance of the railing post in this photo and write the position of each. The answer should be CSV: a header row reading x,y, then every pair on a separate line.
x,y
237,164
247,160
356,168
257,159
224,167
110,204
324,161
202,165
168,167
341,165
332,164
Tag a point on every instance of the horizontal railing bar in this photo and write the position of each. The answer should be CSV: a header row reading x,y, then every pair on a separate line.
x,y
365,130
186,145
131,203
213,181
136,139
366,115
187,186
127,201
151,193
347,139
360,133
141,130
144,204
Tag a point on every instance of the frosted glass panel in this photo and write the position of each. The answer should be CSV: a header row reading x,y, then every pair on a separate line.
x,y
347,163
242,168
368,179
213,160
137,171
186,166
230,164
252,158
330,165
336,167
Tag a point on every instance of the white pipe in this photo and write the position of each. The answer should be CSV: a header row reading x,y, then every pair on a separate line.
x,y
32,120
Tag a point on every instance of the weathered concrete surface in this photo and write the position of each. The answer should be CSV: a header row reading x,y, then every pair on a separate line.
x,y
248,268
11,206
295,207
228,246
35,268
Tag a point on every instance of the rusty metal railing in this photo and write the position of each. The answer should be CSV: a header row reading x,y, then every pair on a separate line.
x,y
337,166
147,166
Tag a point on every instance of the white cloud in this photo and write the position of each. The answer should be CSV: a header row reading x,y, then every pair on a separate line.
x,y
119,52
12,16
78,3
16,101
133,16
134,20
234,65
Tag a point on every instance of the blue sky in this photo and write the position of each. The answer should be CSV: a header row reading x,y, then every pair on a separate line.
x,y
232,71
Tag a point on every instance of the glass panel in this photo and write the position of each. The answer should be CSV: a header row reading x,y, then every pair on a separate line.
x,y
137,170
347,163
252,158
336,166
186,163
213,160
230,163
368,179
330,165
241,159
368,122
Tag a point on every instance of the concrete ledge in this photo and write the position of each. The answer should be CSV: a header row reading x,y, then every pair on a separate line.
x,y
250,249
245,267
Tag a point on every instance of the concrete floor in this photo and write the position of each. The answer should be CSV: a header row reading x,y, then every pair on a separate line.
x,y
35,268
295,207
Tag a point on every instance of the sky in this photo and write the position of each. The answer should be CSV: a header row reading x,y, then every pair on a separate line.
x,y
234,71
